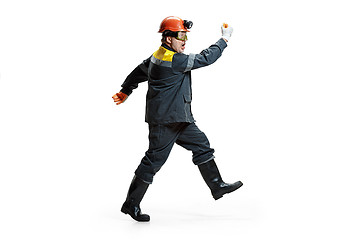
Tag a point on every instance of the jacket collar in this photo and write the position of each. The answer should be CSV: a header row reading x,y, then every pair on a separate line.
x,y
167,47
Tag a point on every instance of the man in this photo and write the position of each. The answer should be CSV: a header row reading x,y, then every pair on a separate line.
x,y
168,111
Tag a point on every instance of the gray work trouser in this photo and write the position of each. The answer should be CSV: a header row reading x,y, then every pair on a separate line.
x,y
161,141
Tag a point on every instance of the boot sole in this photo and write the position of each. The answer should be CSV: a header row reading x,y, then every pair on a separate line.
x,y
126,211
221,194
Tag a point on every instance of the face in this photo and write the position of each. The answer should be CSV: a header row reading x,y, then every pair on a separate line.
x,y
177,44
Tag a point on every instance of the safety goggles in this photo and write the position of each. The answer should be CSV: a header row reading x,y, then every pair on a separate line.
x,y
181,36
178,35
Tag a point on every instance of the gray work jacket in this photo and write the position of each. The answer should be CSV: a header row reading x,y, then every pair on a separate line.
x,y
168,74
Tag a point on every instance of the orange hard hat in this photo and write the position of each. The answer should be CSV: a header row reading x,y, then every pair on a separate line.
x,y
175,24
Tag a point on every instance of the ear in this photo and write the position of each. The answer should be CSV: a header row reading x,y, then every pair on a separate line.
x,y
168,40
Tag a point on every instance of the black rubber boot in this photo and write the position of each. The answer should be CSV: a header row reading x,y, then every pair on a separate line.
x,y
211,175
131,205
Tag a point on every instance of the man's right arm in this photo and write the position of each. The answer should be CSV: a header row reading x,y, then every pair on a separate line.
x,y
185,63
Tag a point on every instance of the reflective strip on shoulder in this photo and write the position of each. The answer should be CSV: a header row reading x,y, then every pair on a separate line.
x,y
162,57
159,62
190,62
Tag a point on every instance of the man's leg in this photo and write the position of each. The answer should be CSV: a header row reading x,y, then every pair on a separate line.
x,y
135,194
196,141
212,177
193,139
161,141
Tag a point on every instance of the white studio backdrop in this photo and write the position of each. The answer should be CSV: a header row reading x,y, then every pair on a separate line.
x,y
280,107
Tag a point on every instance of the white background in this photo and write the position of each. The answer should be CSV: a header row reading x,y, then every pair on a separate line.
x,y
280,107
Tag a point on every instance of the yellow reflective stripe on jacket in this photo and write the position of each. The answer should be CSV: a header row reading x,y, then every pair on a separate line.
x,y
164,55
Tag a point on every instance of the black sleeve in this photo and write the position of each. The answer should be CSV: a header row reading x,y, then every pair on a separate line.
x,y
184,63
138,75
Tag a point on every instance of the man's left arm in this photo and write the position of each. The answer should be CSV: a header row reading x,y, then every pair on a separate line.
x,y
138,75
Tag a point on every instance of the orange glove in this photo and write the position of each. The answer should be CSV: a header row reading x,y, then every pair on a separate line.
x,y
119,98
